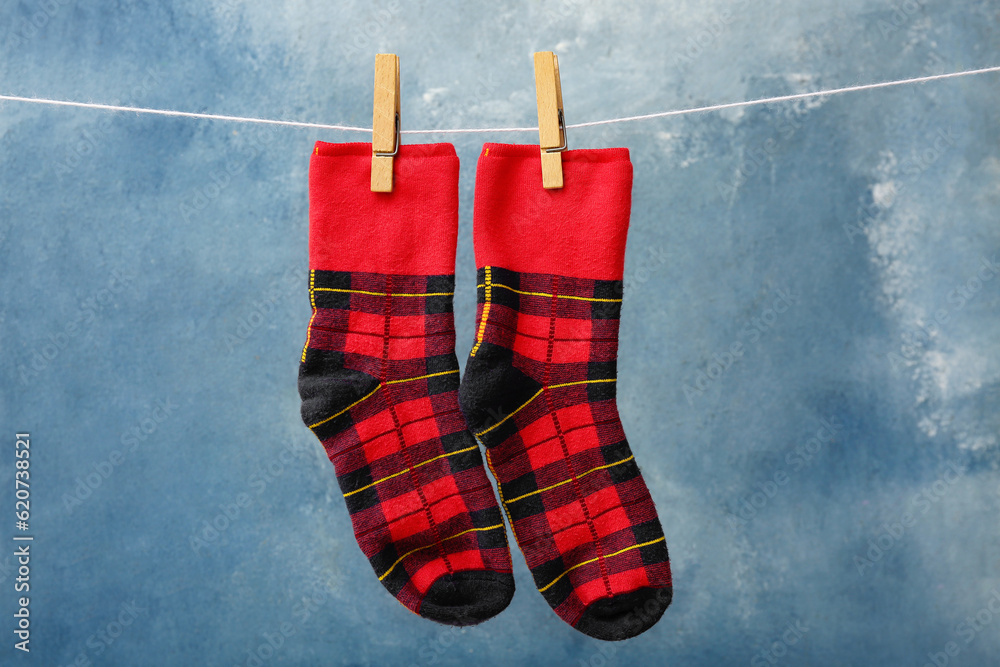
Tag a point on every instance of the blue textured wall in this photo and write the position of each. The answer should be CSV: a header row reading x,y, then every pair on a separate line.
x,y
839,476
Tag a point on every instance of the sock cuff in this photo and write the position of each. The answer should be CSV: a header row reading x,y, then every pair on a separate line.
x,y
412,230
578,230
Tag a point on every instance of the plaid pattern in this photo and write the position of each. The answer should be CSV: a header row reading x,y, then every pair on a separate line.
x,y
574,496
379,380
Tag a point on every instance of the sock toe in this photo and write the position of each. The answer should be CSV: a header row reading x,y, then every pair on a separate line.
x,y
626,615
467,598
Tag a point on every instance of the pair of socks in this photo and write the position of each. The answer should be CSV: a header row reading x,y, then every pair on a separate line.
x,y
380,385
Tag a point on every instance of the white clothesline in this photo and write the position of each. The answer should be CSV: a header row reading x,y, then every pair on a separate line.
x,y
488,130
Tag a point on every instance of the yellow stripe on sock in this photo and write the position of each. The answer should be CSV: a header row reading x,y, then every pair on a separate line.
x,y
312,303
421,377
567,481
308,336
346,409
486,311
402,472
361,291
537,394
485,431
570,384
634,546
558,296
428,546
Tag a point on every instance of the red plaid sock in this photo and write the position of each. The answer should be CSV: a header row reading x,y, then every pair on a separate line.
x,y
379,381
539,386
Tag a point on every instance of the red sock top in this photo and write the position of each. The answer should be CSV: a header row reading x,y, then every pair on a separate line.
x,y
412,230
578,230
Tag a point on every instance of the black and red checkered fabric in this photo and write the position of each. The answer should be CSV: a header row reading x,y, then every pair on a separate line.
x,y
378,380
539,391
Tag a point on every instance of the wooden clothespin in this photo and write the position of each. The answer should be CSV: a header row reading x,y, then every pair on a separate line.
x,y
551,121
385,120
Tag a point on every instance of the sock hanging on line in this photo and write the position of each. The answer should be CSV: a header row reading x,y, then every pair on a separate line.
x,y
539,386
379,379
